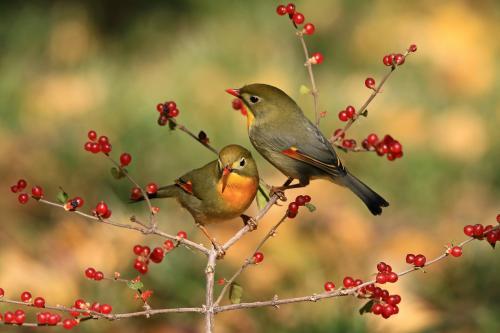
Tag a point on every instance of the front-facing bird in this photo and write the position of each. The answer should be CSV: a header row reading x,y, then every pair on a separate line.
x,y
281,132
220,190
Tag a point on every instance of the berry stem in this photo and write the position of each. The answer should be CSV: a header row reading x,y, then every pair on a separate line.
x,y
308,64
194,136
375,92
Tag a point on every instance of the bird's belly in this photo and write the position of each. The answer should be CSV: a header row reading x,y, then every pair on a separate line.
x,y
237,195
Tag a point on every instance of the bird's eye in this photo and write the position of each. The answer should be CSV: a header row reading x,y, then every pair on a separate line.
x,y
254,99
242,162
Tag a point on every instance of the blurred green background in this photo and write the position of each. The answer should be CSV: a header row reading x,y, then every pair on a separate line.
x,y
67,67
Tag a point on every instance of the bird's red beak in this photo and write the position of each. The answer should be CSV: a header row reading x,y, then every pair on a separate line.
x,y
234,92
225,175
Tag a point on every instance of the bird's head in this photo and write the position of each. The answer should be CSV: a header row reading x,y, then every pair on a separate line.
x,y
264,100
238,160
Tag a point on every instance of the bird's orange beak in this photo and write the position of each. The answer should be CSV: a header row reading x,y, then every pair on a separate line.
x,y
225,175
234,92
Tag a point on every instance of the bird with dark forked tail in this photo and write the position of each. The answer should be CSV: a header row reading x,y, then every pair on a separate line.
x,y
280,132
221,190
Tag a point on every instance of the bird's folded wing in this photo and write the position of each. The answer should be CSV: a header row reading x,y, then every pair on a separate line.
x,y
335,169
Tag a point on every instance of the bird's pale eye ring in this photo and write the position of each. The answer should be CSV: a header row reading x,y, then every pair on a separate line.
x,y
254,99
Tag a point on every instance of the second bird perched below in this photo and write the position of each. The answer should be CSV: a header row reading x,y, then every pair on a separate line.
x,y
280,132
220,190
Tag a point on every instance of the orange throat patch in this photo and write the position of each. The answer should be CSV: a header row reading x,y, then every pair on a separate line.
x,y
239,192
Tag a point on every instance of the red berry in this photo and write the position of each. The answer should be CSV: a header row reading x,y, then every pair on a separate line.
x,y
412,48
182,234
168,245
281,10
291,214
387,311
343,116
370,83
350,110
381,266
498,218
173,113
300,200
143,268
221,281
159,107
106,148
162,120
77,202
317,58
25,296
101,208
381,278
399,59
469,230
138,250
103,139
339,130
95,148
290,9
2,292
392,277
372,139
135,193
307,198
357,282
349,143
69,323
41,318
329,286
98,276
382,149
87,146
456,251
19,316
309,28
170,105
395,147
8,317
151,188
410,258
478,230
493,236
39,302
298,18
293,207
377,308
105,309
37,192
258,257
23,198
394,299
237,104
14,189
419,260
90,272
92,135
54,319
145,251
388,60
157,255
348,282
21,184
125,159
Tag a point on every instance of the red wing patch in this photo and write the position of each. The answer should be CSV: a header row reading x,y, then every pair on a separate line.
x,y
187,186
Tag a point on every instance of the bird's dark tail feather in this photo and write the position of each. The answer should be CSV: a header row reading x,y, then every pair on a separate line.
x,y
163,192
372,200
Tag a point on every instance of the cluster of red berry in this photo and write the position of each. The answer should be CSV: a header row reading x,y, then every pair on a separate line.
x,y
293,207
167,110
102,210
93,274
145,255
416,260
23,197
80,304
397,59
387,146
385,274
238,105
481,232
96,145
298,19
136,192
52,319
348,113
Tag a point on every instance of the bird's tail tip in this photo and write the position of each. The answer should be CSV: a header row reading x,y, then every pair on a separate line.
x,y
371,199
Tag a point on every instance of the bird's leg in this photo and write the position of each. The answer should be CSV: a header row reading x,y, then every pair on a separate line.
x,y
249,221
280,190
220,251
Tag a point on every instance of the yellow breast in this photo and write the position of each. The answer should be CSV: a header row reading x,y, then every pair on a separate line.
x,y
239,192
250,119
